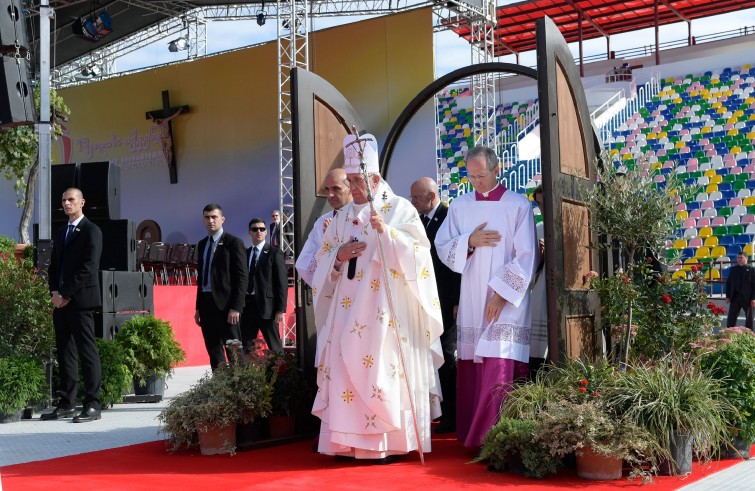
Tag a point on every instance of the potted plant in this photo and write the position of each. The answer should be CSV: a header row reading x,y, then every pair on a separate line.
x,y
510,445
22,381
232,393
25,309
151,351
729,357
289,392
676,402
600,439
116,376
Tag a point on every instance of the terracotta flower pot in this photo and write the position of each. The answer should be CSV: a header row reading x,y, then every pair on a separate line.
x,y
217,440
596,467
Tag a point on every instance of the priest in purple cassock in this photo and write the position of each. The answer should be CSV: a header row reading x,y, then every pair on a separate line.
x,y
489,237
374,399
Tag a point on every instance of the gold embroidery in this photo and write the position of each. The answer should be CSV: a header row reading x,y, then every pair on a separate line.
x,y
346,303
358,328
375,285
347,396
368,361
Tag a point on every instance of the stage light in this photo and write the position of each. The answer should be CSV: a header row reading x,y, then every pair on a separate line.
x,y
180,44
286,23
261,16
93,28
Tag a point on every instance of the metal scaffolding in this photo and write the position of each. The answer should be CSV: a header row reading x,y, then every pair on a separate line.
x,y
293,52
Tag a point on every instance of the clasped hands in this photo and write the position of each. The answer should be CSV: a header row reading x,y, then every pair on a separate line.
x,y
350,250
58,301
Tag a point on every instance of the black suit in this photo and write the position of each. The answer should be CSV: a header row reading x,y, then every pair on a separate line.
x,y
740,291
270,286
228,280
449,285
74,274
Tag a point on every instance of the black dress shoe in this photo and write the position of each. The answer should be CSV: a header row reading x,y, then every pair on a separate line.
x,y
58,413
445,427
87,415
391,459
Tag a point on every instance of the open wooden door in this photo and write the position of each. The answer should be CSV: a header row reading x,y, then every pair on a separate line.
x,y
321,119
569,147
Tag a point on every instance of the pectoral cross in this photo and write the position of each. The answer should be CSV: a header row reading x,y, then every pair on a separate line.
x,y
162,118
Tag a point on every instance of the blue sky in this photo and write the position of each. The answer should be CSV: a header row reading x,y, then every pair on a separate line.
x,y
451,52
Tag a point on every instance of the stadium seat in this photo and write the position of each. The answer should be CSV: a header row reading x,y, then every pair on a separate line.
x,y
705,232
711,241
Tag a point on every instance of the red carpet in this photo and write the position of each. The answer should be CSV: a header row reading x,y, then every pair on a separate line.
x,y
295,466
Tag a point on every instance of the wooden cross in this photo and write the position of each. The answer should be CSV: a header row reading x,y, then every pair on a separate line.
x,y
162,118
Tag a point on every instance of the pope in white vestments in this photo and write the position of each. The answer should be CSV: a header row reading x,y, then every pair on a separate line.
x,y
488,237
364,379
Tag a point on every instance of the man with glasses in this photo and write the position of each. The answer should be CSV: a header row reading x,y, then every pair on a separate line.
x,y
267,290
378,321
222,281
489,237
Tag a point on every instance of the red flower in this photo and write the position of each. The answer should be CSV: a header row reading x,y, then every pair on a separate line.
x,y
661,279
583,382
666,298
625,278
596,393
582,390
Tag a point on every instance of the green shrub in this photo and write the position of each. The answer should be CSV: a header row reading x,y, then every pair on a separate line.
x,y
149,346
22,382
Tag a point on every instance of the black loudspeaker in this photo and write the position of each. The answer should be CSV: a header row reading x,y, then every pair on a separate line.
x,y
126,291
118,244
16,101
62,177
100,183
107,324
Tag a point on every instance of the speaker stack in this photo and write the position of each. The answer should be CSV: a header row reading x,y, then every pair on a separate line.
x,y
125,294
16,101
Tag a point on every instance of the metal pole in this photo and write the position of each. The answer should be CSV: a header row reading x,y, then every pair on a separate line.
x,y
44,130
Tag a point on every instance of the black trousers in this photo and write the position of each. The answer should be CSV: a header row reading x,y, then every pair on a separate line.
x,y
447,372
74,339
252,323
736,304
216,330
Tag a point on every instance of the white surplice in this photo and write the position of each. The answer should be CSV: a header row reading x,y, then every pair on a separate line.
x,y
507,269
306,263
362,394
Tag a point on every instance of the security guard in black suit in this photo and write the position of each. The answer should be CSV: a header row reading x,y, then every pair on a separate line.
x,y
267,291
740,291
75,288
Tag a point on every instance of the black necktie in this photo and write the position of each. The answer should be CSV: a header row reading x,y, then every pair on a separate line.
x,y
425,220
252,268
69,233
206,268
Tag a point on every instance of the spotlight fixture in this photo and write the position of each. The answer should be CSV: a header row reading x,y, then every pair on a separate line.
x,y
261,16
179,44
94,27
286,23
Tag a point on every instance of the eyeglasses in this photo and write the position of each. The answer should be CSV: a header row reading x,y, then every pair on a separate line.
x,y
477,178
355,182
257,229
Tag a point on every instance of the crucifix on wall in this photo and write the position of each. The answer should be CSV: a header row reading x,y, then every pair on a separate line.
x,y
162,118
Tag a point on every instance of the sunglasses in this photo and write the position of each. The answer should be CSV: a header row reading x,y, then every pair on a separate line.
x,y
257,229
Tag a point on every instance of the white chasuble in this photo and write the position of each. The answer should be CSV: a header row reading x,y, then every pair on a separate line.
x,y
362,391
506,269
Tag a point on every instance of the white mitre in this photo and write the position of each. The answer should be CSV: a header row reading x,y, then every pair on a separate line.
x,y
351,149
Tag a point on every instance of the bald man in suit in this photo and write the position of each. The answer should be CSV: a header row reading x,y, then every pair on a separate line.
x,y
75,289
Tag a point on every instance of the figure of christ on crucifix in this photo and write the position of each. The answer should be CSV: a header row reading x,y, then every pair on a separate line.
x,y
162,118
